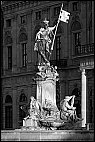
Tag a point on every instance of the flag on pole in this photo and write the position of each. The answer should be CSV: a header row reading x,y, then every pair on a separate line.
x,y
64,16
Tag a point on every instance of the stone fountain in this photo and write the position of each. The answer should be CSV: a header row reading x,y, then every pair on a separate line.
x,y
43,112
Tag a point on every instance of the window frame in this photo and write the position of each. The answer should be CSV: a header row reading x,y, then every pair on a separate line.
x,y
9,57
8,113
38,15
58,47
77,48
8,23
23,17
22,113
24,54
57,10
75,6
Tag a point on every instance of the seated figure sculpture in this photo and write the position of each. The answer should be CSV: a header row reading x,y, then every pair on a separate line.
x,y
68,111
33,113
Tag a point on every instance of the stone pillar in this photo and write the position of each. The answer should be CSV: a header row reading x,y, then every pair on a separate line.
x,y
83,98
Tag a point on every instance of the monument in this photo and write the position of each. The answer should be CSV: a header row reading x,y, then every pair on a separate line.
x,y
43,112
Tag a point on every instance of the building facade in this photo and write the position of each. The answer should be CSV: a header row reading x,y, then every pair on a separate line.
x,y
73,54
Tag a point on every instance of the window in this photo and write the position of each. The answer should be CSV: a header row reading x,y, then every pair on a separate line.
x,y
75,6
38,15
9,57
23,98
56,11
23,19
90,106
8,116
8,23
77,38
58,48
8,112
24,54
22,37
22,115
22,112
90,32
77,102
8,99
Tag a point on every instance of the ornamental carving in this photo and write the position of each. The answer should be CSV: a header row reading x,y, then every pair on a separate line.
x,y
8,40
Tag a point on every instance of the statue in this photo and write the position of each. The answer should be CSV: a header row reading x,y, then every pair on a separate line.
x,y
48,116
34,112
43,43
68,111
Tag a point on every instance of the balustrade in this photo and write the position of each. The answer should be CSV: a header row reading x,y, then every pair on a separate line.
x,y
84,49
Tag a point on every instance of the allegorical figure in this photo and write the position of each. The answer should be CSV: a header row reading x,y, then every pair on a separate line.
x,y
68,111
34,109
43,42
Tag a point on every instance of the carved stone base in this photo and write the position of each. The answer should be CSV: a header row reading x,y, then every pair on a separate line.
x,y
46,90
29,122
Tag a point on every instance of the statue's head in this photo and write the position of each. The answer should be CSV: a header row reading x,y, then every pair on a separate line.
x,y
67,98
46,23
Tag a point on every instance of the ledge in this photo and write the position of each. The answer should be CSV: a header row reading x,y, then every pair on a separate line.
x,y
46,135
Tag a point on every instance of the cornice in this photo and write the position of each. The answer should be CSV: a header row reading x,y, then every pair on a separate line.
x,y
15,5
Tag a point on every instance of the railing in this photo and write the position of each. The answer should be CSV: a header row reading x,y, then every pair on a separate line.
x,y
59,63
84,49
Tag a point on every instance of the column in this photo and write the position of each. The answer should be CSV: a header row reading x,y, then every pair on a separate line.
x,y
83,98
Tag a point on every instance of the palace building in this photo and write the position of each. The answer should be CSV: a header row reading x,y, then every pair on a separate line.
x,y
73,54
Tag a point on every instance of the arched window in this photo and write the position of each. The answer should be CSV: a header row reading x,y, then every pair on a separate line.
x,y
76,37
8,99
76,26
22,113
23,98
22,37
77,102
8,112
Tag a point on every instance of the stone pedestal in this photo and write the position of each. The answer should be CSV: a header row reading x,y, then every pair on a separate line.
x,y
30,123
46,85
46,90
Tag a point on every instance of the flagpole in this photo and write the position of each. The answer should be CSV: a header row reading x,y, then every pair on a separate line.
x,y
56,29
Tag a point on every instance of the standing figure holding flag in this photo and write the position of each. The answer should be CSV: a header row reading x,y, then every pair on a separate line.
x,y
43,42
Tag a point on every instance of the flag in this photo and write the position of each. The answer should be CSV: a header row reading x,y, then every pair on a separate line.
x,y
64,16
